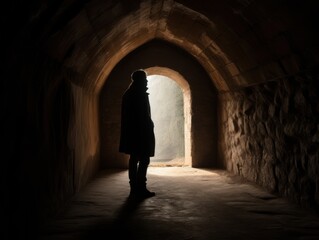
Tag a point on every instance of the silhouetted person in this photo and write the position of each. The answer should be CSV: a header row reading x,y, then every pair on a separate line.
x,y
137,133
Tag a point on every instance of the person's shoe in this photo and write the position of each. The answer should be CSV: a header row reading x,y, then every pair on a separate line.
x,y
145,193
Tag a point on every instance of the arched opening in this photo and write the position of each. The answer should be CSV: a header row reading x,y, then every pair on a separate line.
x,y
172,120
167,109
200,102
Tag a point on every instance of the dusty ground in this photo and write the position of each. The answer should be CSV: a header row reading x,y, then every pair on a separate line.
x,y
189,204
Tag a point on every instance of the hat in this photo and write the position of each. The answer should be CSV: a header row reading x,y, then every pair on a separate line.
x,y
139,74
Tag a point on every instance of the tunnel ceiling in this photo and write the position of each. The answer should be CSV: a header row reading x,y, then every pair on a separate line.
x,y
238,42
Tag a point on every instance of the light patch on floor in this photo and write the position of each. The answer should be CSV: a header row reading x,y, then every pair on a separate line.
x,y
180,171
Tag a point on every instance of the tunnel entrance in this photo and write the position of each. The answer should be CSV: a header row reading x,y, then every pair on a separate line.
x,y
199,103
167,109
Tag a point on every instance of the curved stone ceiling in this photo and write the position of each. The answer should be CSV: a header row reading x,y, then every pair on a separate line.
x,y
239,43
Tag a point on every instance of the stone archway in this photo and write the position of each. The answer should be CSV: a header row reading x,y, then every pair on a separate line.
x,y
166,59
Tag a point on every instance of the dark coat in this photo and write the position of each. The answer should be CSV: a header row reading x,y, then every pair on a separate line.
x,y
137,128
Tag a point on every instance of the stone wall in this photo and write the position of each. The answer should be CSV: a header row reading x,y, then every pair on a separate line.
x,y
51,145
269,134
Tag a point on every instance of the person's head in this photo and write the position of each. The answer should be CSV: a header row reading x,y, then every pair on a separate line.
x,y
139,77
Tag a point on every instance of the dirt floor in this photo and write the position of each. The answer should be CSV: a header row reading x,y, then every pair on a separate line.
x,y
189,204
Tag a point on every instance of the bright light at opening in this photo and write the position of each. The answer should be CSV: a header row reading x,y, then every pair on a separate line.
x,y
167,109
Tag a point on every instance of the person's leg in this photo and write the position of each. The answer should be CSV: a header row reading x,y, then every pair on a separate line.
x,y
132,172
141,176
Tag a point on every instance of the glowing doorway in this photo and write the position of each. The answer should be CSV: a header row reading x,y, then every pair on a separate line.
x,y
167,108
